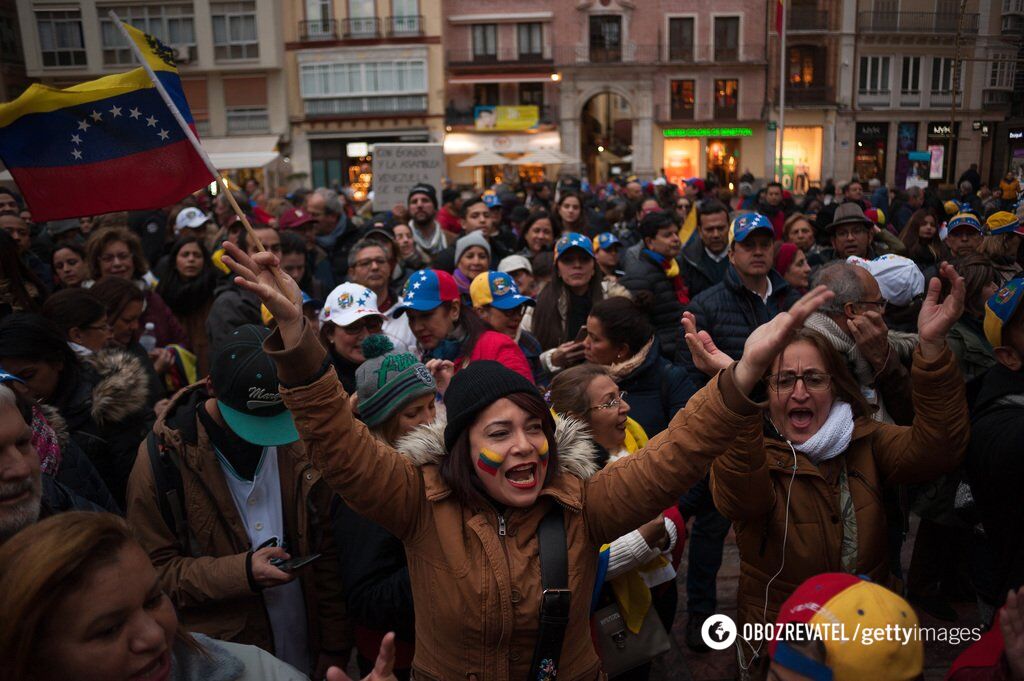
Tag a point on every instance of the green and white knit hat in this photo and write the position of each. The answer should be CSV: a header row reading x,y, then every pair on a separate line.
x,y
387,380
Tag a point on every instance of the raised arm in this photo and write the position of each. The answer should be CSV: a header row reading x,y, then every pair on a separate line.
x,y
374,479
635,488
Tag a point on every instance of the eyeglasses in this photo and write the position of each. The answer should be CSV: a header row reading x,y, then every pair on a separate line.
x,y
371,324
786,382
612,403
379,262
880,304
847,232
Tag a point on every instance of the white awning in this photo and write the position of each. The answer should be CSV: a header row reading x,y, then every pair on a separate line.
x,y
237,153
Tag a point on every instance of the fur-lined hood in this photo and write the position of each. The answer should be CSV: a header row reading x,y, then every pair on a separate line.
x,y
122,388
577,453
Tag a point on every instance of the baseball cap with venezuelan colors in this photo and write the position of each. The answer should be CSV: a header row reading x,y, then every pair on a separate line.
x,y
347,304
867,631
426,290
606,240
573,240
1003,222
745,225
497,289
1000,308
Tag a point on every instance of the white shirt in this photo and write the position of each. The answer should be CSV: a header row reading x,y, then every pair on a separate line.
x,y
767,291
259,503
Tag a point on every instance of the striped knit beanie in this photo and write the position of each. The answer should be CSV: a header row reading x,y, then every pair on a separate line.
x,y
387,380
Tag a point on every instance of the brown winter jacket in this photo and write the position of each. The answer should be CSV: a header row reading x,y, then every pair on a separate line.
x,y
750,484
475,574
211,590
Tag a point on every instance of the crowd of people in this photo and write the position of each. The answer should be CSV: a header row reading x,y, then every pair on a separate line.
x,y
472,436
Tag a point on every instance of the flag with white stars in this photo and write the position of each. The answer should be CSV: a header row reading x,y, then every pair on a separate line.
x,y
107,145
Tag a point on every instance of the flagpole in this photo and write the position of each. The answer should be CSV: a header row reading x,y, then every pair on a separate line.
x,y
187,130
782,84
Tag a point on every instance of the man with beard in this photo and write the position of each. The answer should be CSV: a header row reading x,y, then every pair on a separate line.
x,y
426,230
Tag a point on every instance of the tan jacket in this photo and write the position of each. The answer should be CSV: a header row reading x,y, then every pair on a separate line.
x,y
751,481
211,590
475,574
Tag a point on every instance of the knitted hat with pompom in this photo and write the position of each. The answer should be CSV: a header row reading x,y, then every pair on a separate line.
x,y
387,380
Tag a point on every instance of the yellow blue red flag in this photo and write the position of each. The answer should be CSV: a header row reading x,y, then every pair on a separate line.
x,y
106,145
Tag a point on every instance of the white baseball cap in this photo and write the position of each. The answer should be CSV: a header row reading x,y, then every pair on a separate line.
x,y
190,218
514,263
347,304
899,279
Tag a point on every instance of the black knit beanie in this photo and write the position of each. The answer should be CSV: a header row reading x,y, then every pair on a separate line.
x,y
475,388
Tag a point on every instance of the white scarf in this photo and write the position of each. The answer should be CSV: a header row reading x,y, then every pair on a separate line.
x,y
433,245
833,438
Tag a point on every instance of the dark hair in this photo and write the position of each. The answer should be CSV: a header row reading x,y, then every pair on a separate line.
x,y
543,264
75,246
5,190
556,219
186,296
116,293
292,242
918,250
471,201
472,326
978,272
19,277
74,308
548,325
530,222
711,207
652,223
33,337
774,184
569,389
457,467
624,321
844,386
98,242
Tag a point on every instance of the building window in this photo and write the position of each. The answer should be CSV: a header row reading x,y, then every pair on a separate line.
x,y
874,76
682,99
942,75
485,42
910,77
1002,71
364,87
60,38
242,120
486,94
802,60
362,19
605,38
726,98
406,17
530,40
727,38
680,39
172,24
531,94
234,30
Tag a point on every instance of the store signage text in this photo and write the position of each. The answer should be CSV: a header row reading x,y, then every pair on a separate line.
x,y
1017,134
708,132
939,130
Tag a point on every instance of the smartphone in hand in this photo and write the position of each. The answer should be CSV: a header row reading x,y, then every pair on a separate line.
x,y
293,563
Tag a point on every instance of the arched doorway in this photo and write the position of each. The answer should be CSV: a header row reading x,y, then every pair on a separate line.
x,y
606,136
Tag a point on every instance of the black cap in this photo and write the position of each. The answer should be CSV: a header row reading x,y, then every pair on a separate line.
x,y
425,189
475,388
245,381
449,195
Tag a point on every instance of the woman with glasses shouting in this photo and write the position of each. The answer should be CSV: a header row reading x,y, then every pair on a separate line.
x,y
805,496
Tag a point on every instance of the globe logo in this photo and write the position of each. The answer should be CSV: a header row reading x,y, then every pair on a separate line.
x,y
718,632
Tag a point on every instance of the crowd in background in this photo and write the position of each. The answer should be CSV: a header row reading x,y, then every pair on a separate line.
x,y
141,376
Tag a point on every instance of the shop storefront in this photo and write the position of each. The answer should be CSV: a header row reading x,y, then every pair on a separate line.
x,y
459,146
801,158
348,161
942,147
1015,142
906,142
869,156
694,152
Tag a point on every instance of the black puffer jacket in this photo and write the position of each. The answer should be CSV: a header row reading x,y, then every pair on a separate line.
x,y
643,274
657,388
700,270
730,312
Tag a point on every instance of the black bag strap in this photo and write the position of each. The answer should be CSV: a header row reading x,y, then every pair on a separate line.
x,y
170,490
554,608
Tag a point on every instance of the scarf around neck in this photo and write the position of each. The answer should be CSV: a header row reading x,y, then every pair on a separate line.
x,y
432,245
833,438
670,266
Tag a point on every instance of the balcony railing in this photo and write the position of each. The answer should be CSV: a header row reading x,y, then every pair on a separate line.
x,y
806,21
358,106
318,29
669,112
797,95
681,52
916,22
627,53
910,97
409,25
503,56
874,97
996,97
940,98
463,116
725,113
363,27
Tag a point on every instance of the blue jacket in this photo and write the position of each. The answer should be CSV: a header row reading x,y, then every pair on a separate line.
x,y
657,390
643,274
730,312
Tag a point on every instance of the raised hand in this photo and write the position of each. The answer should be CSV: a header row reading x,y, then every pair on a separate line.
x,y
768,340
261,273
936,319
383,670
1011,624
706,356
872,338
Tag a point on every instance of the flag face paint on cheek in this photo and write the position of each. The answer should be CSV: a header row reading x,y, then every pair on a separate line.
x,y
544,448
490,461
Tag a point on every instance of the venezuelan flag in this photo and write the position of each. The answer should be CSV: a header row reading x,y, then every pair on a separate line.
x,y
107,145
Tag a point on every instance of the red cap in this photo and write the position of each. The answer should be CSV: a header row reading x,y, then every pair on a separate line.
x,y
294,218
